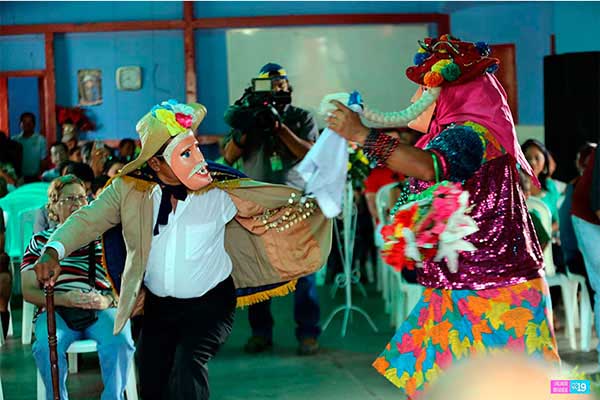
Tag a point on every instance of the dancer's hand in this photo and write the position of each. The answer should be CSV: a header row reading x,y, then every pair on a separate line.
x,y
346,123
47,268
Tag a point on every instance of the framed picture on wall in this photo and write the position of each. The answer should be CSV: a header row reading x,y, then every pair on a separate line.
x,y
89,84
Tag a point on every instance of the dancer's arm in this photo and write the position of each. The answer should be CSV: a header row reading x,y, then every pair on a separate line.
x,y
405,159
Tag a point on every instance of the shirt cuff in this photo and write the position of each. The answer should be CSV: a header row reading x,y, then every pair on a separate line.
x,y
58,246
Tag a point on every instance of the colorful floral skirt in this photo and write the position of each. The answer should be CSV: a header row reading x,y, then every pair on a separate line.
x,y
449,325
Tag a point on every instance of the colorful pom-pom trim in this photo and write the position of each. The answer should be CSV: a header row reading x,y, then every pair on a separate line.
x,y
420,57
451,72
433,79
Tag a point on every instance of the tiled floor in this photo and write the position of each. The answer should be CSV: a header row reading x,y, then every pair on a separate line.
x,y
340,372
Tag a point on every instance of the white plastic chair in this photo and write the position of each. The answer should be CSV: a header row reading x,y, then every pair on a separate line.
x,y
27,219
405,297
568,286
383,205
585,311
27,322
399,296
88,346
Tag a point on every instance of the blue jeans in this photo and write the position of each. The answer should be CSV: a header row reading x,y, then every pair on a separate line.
x,y
306,312
588,237
114,351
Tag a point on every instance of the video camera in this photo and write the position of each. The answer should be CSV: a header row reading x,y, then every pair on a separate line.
x,y
256,111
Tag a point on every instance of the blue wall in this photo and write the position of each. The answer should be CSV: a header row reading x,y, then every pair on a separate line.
x,y
18,104
576,26
214,9
158,53
529,26
22,52
50,12
211,72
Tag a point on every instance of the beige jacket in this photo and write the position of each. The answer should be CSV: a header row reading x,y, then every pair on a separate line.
x,y
261,253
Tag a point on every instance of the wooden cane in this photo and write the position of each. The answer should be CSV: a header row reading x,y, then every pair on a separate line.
x,y
49,292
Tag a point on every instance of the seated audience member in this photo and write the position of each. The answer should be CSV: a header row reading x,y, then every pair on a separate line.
x,y
34,148
11,152
99,184
58,155
86,152
84,173
99,156
541,162
75,154
5,280
63,166
84,310
560,185
539,158
127,150
542,234
8,178
112,167
70,139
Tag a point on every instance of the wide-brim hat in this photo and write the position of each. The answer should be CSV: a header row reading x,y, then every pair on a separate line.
x,y
448,61
163,122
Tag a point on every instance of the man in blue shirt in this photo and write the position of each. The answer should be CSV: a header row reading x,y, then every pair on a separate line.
x,y
34,148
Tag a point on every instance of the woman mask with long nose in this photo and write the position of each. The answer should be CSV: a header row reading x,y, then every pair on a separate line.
x,y
186,160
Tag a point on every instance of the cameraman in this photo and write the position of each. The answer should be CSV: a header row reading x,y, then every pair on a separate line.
x,y
270,136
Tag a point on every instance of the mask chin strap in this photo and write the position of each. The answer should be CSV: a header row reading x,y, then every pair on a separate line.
x,y
402,118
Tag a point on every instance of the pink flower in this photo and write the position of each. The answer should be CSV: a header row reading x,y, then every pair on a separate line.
x,y
184,120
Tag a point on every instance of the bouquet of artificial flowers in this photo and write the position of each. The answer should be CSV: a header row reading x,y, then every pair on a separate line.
x,y
433,224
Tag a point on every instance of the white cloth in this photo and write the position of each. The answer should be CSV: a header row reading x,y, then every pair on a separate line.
x,y
187,258
324,170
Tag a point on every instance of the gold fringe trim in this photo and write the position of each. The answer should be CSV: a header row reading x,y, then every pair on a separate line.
x,y
280,291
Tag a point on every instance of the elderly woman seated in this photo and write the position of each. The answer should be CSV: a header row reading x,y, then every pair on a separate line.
x,y
84,298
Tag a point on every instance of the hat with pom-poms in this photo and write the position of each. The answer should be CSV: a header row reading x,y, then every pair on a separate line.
x,y
449,61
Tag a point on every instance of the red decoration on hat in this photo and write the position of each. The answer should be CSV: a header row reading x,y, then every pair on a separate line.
x,y
468,56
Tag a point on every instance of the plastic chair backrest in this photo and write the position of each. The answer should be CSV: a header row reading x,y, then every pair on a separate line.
x,y
545,216
27,220
383,202
32,187
19,231
12,206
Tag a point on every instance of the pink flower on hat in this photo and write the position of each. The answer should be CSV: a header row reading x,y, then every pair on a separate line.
x,y
184,120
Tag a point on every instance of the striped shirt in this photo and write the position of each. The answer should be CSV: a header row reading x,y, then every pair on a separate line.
x,y
73,268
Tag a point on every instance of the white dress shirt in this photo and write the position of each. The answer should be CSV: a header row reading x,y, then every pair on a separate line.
x,y
187,258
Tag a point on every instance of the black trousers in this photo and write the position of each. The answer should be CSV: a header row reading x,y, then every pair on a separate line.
x,y
178,338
